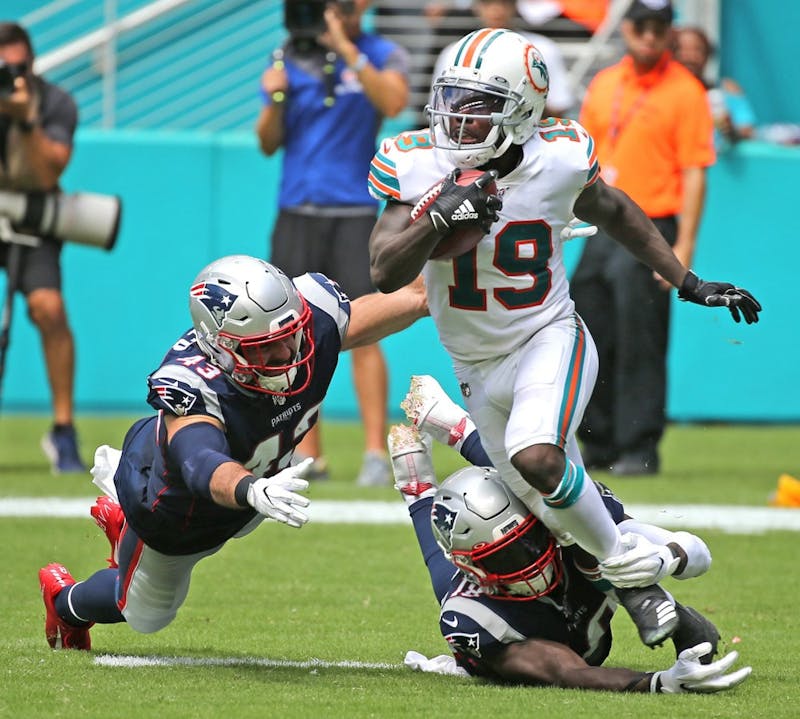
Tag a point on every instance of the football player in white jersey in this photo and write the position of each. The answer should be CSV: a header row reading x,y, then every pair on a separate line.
x,y
525,361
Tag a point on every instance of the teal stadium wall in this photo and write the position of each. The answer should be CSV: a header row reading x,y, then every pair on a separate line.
x,y
189,198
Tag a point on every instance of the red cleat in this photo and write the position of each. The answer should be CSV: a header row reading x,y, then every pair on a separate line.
x,y
110,518
60,635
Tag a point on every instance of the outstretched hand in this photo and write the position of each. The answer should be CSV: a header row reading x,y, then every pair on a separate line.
x,y
720,294
689,675
276,497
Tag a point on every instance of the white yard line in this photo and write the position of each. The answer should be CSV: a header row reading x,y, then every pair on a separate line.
x,y
130,661
728,518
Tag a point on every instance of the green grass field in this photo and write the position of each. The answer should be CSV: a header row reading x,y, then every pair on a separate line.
x,y
272,601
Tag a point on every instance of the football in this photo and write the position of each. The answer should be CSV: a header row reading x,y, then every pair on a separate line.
x,y
462,239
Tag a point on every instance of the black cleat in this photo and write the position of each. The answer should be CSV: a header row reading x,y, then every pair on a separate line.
x,y
694,628
652,612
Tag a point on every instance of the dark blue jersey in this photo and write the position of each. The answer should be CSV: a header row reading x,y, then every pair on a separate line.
x,y
477,626
261,430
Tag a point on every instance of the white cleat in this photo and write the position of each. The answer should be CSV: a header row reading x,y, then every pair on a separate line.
x,y
429,408
411,462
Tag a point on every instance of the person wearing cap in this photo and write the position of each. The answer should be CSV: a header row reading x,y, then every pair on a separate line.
x,y
655,138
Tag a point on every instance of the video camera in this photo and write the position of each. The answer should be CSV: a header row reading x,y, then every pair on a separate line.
x,y
9,72
82,217
305,22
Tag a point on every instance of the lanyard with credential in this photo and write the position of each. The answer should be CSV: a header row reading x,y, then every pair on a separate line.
x,y
618,123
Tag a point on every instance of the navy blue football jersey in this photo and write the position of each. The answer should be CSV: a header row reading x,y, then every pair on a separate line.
x,y
262,430
477,625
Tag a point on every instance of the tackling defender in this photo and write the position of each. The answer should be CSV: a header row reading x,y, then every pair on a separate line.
x,y
234,395
525,361
515,607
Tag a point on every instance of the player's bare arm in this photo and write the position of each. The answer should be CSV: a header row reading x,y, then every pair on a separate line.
x,y
377,315
546,663
617,214
398,249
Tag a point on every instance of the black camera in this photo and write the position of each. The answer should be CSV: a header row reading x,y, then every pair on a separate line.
x,y
305,21
9,72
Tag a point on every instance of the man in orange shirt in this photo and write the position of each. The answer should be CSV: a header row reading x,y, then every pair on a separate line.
x,y
654,133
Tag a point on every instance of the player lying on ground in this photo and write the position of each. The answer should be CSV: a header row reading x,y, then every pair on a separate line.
x,y
233,397
516,607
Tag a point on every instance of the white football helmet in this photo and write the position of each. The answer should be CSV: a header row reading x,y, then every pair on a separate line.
x,y
493,75
246,310
493,538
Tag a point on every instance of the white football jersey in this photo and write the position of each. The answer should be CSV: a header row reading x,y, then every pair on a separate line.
x,y
490,300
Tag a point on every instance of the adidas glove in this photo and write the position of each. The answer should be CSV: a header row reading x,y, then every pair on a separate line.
x,y
689,675
720,294
465,205
275,497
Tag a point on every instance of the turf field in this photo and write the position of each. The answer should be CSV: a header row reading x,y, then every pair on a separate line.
x,y
316,622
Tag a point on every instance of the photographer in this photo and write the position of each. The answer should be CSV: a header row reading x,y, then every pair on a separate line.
x,y
37,122
325,95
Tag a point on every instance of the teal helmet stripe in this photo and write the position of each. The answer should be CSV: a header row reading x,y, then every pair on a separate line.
x,y
468,54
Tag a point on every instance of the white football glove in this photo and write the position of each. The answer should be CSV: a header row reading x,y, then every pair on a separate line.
x,y
577,228
275,497
689,675
641,564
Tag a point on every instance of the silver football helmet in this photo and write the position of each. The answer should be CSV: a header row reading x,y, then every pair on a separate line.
x,y
253,324
493,538
491,95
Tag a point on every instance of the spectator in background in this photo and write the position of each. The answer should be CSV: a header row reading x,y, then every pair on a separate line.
x,y
324,102
733,114
503,14
652,124
37,124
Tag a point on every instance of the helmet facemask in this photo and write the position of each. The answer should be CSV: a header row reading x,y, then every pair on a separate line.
x,y
470,121
253,367
524,564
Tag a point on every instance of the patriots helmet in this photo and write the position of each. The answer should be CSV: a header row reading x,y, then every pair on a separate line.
x,y
490,95
253,324
493,538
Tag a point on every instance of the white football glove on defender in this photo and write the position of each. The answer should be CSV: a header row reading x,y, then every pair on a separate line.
x,y
577,228
641,564
275,497
689,675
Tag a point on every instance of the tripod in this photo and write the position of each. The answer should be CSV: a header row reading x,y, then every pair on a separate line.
x,y
16,243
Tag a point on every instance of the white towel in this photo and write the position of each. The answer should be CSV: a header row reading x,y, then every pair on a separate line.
x,y
106,461
443,664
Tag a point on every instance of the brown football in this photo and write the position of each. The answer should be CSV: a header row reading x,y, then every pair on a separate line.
x,y
462,239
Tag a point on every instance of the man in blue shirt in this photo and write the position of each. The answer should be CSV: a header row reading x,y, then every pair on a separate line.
x,y
324,100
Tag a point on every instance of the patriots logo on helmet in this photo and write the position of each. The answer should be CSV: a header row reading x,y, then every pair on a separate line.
x,y
217,300
444,520
178,400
